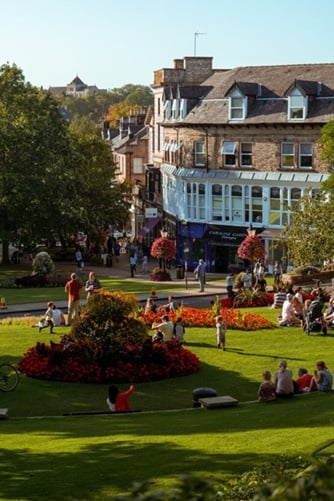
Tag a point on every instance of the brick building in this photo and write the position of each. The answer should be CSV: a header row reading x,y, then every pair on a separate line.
x,y
130,154
236,148
76,88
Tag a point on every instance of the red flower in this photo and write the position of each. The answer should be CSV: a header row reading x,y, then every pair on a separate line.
x,y
163,248
251,248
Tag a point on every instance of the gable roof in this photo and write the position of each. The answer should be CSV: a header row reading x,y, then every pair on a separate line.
x,y
267,88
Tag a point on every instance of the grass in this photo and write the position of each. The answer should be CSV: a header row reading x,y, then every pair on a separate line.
x,y
97,457
42,294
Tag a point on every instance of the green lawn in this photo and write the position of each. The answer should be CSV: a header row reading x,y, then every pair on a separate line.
x,y
15,295
99,456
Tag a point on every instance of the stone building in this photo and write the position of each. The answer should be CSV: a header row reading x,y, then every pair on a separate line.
x,y
130,154
76,88
236,148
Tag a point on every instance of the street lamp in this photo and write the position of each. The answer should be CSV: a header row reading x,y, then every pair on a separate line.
x,y
186,257
164,233
250,230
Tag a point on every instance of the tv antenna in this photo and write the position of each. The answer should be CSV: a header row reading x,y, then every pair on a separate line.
x,y
196,34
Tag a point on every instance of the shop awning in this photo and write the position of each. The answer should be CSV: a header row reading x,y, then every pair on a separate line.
x,y
151,223
271,234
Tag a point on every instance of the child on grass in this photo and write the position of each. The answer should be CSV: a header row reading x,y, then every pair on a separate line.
x,y
266,391
220,332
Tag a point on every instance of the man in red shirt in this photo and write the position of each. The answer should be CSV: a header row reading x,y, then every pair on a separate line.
x,y
72,288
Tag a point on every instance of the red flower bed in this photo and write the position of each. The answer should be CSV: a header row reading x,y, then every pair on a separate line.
x,y
193,317
149,362
109,344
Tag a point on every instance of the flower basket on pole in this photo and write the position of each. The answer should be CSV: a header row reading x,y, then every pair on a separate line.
x,y
251,248
163,248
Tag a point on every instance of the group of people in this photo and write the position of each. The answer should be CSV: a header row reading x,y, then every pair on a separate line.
x,y
284,386
54,317
166,330
295,310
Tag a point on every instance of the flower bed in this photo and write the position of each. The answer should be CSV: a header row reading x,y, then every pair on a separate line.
x,y
108,344
193,317
148,362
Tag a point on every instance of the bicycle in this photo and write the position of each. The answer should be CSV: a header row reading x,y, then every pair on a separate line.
x,y
9,377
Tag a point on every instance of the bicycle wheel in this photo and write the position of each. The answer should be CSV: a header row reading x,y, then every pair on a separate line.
x,y
9,377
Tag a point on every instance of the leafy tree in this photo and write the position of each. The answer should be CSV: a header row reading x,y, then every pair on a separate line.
x,y
310,237
35,153
54,179
119,110
96,105
326,142
98,199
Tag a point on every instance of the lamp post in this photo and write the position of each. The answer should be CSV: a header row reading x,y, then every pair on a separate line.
x,y
250,230
164,234
186,257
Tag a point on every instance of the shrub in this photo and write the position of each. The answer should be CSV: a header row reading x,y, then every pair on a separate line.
x,y
109,343
159,275
43,264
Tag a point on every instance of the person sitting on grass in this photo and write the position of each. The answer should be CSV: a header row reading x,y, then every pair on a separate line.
x,y
179,330
166,328
283,381
266,391
150,306
170,306
289,317
118,402
322,379
279,298
304,380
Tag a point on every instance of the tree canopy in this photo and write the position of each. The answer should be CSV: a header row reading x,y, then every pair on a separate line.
x,y
55,178
310,237
96,105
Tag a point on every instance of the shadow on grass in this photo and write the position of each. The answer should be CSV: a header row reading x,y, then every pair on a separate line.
x,y
91,458
108,469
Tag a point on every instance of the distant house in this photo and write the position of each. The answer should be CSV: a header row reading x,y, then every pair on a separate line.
x,y
129,145
76,88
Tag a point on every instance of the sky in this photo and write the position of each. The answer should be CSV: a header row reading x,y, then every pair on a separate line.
x,y
112,43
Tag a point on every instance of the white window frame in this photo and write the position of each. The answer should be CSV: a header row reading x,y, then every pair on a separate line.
x,y
229,151
175,109
302,154
138,165
244,154
237,106
285,155
199,151
297,105
168,110
183,108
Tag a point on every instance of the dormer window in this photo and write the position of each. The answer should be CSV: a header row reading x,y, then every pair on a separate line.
x,y
175,108
297,105
168,110
183,108
238,106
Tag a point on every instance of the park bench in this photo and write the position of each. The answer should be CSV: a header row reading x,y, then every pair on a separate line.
x,y
218,402
3,413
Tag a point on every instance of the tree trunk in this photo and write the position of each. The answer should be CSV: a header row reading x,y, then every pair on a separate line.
x,y
5,252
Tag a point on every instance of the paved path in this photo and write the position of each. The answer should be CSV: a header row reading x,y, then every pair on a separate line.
x,y
121,270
